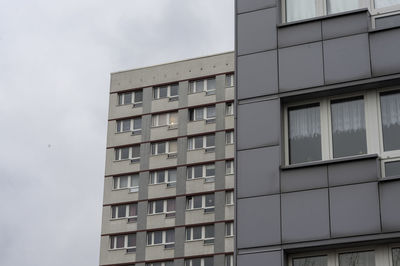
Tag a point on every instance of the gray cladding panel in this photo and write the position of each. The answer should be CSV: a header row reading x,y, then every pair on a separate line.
x,y
350,24
257,74
385,54
390,199
250,5
219,242
272,258
179,243
301,67
258,124
305,216
304,178
258,172
346,59
299,34
259,221
256,31
353,172
354,210
387,21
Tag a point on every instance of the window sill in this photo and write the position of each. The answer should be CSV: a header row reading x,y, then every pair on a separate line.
x,y
332,161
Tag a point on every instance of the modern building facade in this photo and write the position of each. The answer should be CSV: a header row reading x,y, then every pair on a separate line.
x,y
318,133
168,189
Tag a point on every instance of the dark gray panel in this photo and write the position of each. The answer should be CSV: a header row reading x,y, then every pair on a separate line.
x,y
272,258
387,21
258,124
257,74
301,67
345,25
347,59
299,34
354,210
250,5
304,178
219,237
259,221
258,172
385,54
353,172
390,198
305,215
256,31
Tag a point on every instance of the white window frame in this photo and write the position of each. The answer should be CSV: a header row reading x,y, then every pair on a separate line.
x,y
114,238
127,216
229,80
229,198
164,238
190,171
131,127
190,202
229,260
117,183
204,113
167,147
229,137
229,227
130,157
165,207
191,142
156,92
154,177
229,164
229,108
203,233
193,86
189,262
155,119
121,98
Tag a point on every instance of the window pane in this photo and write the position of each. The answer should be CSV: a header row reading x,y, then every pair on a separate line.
x,y
392,168
197,203
121,211
366,258
161,147
335,6
123,181
300,9
174,89
135,180
157,237
169,263
304,134
228,80
390,109
210,141
120,98
209,261
120,241
124,153
163,92
199,85
198,171
210,170
137,123
170,205
199,113
396,256
210,200
128,98
190,172
170,236
132,240
196,232
138,96
159,206
132,210
136,151
348,128
209,231
126,125
386,3
211,112
196,262
172,175
173,146
173,118
198,142
115,182
162,119
311,261
211,84
114,211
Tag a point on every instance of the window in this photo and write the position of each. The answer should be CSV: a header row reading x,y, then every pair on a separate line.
x,y
229,108
229,80
161,263
229,137
229,260
126,153
163,176
201,142
200,232
202,113
390,116
208,85
205,261
161,237
166,91
396,256
123,241
229,197
164,119
124,211
311,261
161,206
134,97
229,229
229,169
125,125
126,181
201,171
164,147
200,202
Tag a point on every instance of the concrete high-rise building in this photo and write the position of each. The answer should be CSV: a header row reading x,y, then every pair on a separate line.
x,y
318,133
168,189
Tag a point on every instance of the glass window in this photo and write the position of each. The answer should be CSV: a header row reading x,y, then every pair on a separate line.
x,y
209,231
124,153
161,147
196,262
162,119
132,210
170,236
392,168
170,205
396,256
199,85
300,9
210,200
138,96
210,140
198,171
121,211
198,142
336,6
211,84
390,112
127,98
120,241
135,180
210,111
311,261
172,175
348,127
159,206
386,3
208,261
136,151
304,134
199,114
210,170
173,118
132,240
174,89
197,202
366,258
157,237
123,181
137,123
196,232
172,146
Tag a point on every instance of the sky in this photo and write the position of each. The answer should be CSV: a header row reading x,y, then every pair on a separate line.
x,y
55,63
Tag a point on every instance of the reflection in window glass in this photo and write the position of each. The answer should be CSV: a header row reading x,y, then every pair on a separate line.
x,y
396,256
366,258
348,127
311,261
304,134
390,109
335,6
386,3
392,168
300,9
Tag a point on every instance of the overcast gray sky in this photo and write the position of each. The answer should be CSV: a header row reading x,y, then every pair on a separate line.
x,y
55,61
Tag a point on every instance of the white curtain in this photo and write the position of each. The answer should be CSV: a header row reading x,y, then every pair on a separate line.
x,y
304,123
348,116
390,108
386,3
335,6
300,9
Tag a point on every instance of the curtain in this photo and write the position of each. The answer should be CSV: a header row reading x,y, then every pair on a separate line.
x,y
304,122
348,116
386,3
390,108
300,9
335,6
